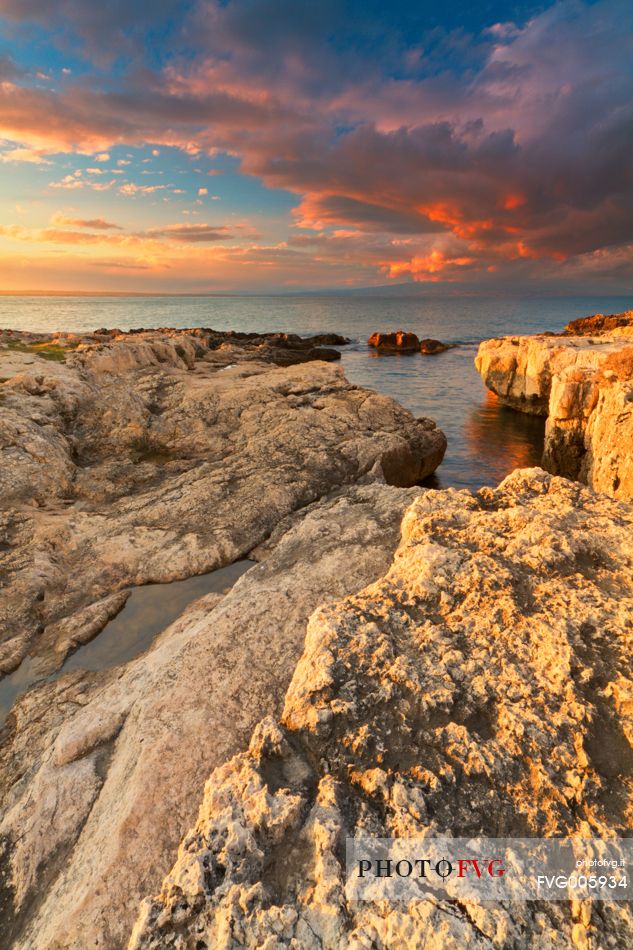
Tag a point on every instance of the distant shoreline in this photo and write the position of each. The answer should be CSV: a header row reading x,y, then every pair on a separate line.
x,y
397,291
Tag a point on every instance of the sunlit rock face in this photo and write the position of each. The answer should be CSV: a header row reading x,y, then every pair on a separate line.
x,y
480,687
149,457
398,342
156,455
584,385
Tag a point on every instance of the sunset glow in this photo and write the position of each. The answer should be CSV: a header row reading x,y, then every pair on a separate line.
x,y
210,146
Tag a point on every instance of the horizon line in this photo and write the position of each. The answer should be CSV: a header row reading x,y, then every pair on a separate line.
x,y
326,291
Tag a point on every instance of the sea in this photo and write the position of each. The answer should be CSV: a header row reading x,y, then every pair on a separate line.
x,y
486,441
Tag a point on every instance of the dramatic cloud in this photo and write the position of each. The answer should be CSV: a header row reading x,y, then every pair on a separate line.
x,y
413,153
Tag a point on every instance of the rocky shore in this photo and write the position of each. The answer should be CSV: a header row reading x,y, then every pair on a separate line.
x,y
398,661
157,455
152,456
582,380
481,686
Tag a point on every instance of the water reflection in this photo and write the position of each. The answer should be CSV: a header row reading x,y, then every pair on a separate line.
x,y
486,440
510,439
148,611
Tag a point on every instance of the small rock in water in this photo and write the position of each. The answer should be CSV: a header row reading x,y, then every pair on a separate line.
x,y
430,347
399,342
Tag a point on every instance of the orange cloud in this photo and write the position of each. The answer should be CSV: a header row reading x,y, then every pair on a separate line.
x,y
432,267
513,200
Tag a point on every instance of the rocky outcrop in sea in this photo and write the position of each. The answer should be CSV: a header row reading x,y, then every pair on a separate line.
x,y
582,380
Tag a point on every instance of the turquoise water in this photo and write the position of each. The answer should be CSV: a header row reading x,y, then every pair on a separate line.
x,y
486,441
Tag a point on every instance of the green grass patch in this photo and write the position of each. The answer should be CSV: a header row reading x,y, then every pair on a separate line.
x,y
48,351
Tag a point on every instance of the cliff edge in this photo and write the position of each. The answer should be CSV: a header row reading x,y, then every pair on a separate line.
x,y
582,381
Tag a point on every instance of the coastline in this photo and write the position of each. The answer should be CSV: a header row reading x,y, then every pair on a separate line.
x,y
147,457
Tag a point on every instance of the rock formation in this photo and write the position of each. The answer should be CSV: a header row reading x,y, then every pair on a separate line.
x,y
157,455
482,686
152,456
430,347
398,342
598,324
584,385
404,342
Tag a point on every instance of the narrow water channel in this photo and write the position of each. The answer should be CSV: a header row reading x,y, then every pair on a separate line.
x,y
148,611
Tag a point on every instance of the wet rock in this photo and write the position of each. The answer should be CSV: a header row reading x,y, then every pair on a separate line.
x,y
398,342
480,687
584,385
430,347
102,773
158,455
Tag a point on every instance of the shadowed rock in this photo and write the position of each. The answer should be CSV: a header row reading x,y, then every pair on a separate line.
x,y
431,347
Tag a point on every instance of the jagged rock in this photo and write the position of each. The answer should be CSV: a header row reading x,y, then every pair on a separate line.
x,y
398,342
599,323
481,687
431,347
101,774
584,385
156,455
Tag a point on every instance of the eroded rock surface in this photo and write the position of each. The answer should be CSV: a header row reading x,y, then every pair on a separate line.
x,y
101,774
482,686
156,455
599,323
584,385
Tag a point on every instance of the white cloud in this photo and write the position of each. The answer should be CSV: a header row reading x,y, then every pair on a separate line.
x,y
32,155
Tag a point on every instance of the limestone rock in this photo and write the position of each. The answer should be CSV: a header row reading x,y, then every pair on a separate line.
x,y
101,774
599,323
398,342
481,687
156,455
584,385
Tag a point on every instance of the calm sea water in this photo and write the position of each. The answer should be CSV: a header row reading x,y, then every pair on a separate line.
x,y
485,441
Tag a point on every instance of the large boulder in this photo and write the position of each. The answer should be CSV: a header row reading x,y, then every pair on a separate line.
x,y
481,687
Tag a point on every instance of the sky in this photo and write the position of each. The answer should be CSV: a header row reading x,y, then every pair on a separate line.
x,y
275,145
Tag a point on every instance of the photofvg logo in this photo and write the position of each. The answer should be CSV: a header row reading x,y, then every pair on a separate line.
x,y
489,869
